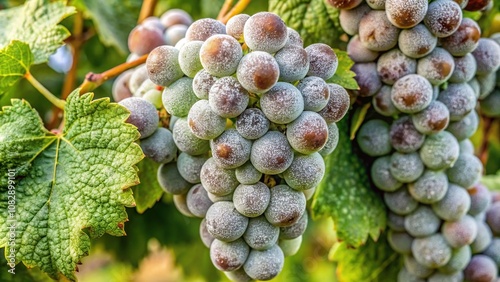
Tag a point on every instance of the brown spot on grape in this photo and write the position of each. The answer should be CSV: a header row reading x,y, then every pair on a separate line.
x,y
423,50
443,68
280,160
265,77
410,100
224,151
314,139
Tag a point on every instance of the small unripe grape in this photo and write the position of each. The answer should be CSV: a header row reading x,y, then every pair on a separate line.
x,y
290,247
266,32
163,65
439,151
248,174
465,68
271,154
459,98
286,206
230,149
459,259
139,75
350,19
251,200
190,166
381,175
487,55
460,233
260,234
120,88
411,93
417,42
143,115
220,55
422,222
175,33
308,133
142,39
415,268
443,17
154,97
204,122
202,29
431,251
293,62
197,201
406,14
373,138
382,102
224,222
258,72
367,78
437,67
175,16
227,97
202,83
323,61
235,25
358,52
186,141
406,167
305,172
252,123
338,104
181,204
430,187
483,238
228,256
238,275
400,242
179,97
145,86
393,64
404,136
217,180
466,171
433,119
264,265
171,180
454,205
464,40
376,31
189,58
480,199
160,146
400,202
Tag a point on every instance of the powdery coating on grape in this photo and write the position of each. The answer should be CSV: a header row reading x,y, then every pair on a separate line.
x,y
290,247
160,146
493,218
493,250
293,62
483,238
400,242
480,199
264,265
180,43
143,115
430,187
406,167
205,236
487,55
252,123
459,98
458,261
395,222
381,175
404,136
294,38
376,4
190,166
481,268
382,102
415,268
142,39
464,40
393,65
202,29
350,19
181,204
238,275
215,198
460,233
466,171
433,119
431,251
189,58
251,200
417,41
146,84
153,22
230,149
323,61
286,206
332,141
234,26
439,151
358,52
205,123
422,222
220,55
315,92
163,65
305,172
266,32
437,67
258,72
271,154
229,256
295,230
175,33
139,75
442,277
197,201
171,180
465,69
367,78
487,84
179,97
406,14
374,139
490,106
282,104
308,133
344,4
217,180
376,32
338,104
454,205
400,202
443,17
248,174
154,97
227,97
120,89
404,276
260,234
224,222
202,83
186,141
175,16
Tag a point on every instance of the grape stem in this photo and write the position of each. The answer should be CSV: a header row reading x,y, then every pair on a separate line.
x,y
94,80
45,92
237,9
225,8
483,149
147,9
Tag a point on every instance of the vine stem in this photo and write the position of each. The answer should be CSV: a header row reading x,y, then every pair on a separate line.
x,y
147,9
45,92
239,7
225,8
483,149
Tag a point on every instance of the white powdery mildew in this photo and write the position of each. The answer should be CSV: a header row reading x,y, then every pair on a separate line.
x,y
283,103
179,97
487,55
430,187
251,200
350,19
224,222
294,38
293,62
163,65
258,72
323,61
190,166
305,172
466,171
443,17
381,175
227,97
406,167
197,201
417,42
230,149
204,28
202,83
266,32
217,180
411,93
382,102
252,123
437,67
308,133
139,75
367,78
393,65
264,265
286,206
315,92
332,141
229,256
439,151
143,115
465,127
422,222
459,98
464,40
235,25
271,154
338,104
454,205
205,123
248,174
400,201
376,31
260,234
189,58
404,136
186,141
220,55
359,53
406,13
432,119
465,69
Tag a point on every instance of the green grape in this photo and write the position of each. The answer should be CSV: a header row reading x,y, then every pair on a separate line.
x,y
295,230
487,55
189,58
251,200
483,237
332,141
393,64
266,32
443,17
417,42
381,175
493,251
323,61
214,198
466,172
228,256
431,251
459,259
395,222
290,247
143,115
406,14
415,268
433,119
315,92
441,277
202,29
465,127
227,97
197,201
400,202
461,232
202,83
466,146
490,106
271,154
308,133
238,275
217,180
400,242
205,123
171,180
260,234
376,31
406,168
190,166
405,276
373,138
481,268
305,172
283,103
248,174
258,72
430,187
160,146
230,149
422,222
220,55
411,93
179,97
405,136
454,204
487,83
286,206
163,65
476,88
154,97
186,141
264,265
439,151
293,62
224,222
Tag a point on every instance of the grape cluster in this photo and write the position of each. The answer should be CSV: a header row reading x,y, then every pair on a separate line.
x,y
423,66
488,81
250,117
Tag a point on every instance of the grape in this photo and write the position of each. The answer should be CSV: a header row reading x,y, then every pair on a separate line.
x,y
308,133
411,93
439,151
437,67
344,4
145,85
293,63
367,78
404,136
458,261
229,256
350,19
406,14
323,61
264,265
295,230
483,238
205,236
175,16
395,222
260,234
417,42
252,123
358,52
234,26
422,222
465,127
400,241
230,149
220,55
171,180
376,31
493,251
487,55
294,38
400,202
430,187
271,154
493,218
381,175
205,123
286,206
441,277
258,72
189,58
376,4
180,43
190,166
181,204
202,29
251,200
433,119
163,65
266,32
415,268
175,33
197,201
374,139
464,40
186,141
217,180
466,147
459,98
393,64
315,92
454,204
481,268
480,199
153,22
238,275
466,171
405,276
382,102
202,83
160,146
443,17
224,222
179,97
143,115
490,106
309,193
465,69
460,233
214,198
142,39
305,172
338,104
486,84
431,251
120,88
139,75
290,247
227,97
332,141
477,5
406,167
154,97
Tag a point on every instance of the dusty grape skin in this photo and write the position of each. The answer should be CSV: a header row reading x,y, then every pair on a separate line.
x,y
139,75
234,26
400,201
143,39
358,52
367,78
344,4
258,72
238,275
266,32
205,236
181,204
293,63
175,33
186,141
271,154
350,19
382,102
374,139
406,14
443,17
460,233
395,222
393,64
282,104
464,40
487,84
189,58
202,82
433,119
252,123
400,242
430,187
190,166
120,89
465,127
315,92
197,201
228,256
466,171
217,180
417,41
493,218
264,265
431,251
465,69
332,141
175,16
202,29
251,200
295,230
290,247
203,122
220,55
406,167
323,61
163,65
411,93
171,181
487,55
153,22
286,206
454,205
459,98
260,234
227,97
422,222
439,151
214,198
480,199
415,268
248,174
437,67
459,259
481,268
143,115
381,175
294,38
376,31
441,277
154,97
308,133
405,276
483,238
305,172
230,149
160,146
224,222
404,136
338,104
493,251
179,97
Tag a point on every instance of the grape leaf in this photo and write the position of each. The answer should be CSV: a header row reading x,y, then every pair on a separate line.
x,y
371,262
346,196
16,60
344,76
65,187
149,191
